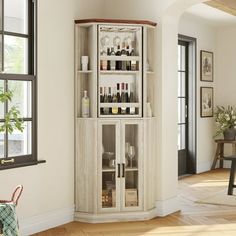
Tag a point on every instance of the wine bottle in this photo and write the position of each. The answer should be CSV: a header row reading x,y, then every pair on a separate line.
x,y
118,96
132,99
106,109
101,99
118,63
127,97
112,62
123,108
109,99
108,62
85,105
133,64
114,100
128,63
123,53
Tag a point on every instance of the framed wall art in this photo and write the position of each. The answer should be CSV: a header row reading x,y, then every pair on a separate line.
x,y
207,66
206,101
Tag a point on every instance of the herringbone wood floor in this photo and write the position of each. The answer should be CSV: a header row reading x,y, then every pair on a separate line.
x,y
193,220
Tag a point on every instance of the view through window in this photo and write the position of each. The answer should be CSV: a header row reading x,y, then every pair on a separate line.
x,y
17,74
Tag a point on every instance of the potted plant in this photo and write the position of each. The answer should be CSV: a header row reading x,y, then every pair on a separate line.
x,y
12,120
225,118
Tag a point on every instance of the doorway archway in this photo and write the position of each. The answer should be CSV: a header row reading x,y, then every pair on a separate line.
x,y
167,171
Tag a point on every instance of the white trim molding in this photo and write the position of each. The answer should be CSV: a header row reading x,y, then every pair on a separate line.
x,y
115,217
166,207
46,221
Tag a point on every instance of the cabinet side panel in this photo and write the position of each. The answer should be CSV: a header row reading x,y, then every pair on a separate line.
x,y
150,162
86,152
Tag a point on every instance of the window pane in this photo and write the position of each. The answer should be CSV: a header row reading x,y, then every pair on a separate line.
x,y
22,97
182,112
183,58
181,84
15,55
20,143
1,104
181,137
15,18
1,144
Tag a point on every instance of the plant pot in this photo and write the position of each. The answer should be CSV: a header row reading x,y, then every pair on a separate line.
x,y
229,134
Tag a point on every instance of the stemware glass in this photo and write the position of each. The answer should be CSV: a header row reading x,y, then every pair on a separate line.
x,y
131,155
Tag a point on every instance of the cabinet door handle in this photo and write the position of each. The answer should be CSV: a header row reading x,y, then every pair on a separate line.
x,y
118,171
123,170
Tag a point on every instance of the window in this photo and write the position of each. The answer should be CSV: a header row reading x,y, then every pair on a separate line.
x,y
18,74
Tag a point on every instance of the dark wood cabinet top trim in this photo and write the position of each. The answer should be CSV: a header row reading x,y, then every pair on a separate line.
x,y
115,21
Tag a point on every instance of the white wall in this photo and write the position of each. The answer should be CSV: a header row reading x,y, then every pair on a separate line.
x,y
226,69
49,187
206,40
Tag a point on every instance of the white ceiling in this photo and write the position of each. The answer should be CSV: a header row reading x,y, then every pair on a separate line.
x,y
212,15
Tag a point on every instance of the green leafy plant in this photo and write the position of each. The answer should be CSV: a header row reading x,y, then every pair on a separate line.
x,y
225,118
12,121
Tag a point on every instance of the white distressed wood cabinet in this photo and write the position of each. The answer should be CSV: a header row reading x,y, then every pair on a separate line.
x,y
114,147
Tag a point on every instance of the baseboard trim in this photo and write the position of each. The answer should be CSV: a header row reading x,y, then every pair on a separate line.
x,y
115,217
46,221
167,207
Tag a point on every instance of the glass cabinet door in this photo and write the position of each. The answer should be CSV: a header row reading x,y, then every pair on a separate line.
x,y
109,170
132,165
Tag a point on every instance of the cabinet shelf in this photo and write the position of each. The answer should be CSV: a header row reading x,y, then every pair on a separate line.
x,y
107,169
120,58
111,105
119,72
131,169
84,71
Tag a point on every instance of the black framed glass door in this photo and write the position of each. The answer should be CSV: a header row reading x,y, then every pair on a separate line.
x,y
183,150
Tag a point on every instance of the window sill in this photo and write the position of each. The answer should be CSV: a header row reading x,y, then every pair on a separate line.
x,y
32,163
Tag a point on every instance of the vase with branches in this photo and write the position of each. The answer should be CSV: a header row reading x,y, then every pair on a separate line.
x,y
225,118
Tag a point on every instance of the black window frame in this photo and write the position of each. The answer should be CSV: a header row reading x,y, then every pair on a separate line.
x,y
24,160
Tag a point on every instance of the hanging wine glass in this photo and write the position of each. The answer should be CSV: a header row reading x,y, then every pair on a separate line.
x,y
131,155
116,41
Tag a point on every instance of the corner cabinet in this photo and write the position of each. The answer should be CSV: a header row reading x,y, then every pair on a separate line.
x,y
115,152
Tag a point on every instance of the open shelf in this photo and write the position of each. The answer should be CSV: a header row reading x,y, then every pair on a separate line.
x,y
84,71
119,72
120,58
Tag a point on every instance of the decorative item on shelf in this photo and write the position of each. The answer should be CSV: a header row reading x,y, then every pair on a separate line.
x,y
131,197
85,105
225,118
84,63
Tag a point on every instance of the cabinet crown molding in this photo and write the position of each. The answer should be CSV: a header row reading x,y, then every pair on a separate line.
x,y
115,21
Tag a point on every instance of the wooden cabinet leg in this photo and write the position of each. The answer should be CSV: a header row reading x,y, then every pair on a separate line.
x,y
231,178
216,157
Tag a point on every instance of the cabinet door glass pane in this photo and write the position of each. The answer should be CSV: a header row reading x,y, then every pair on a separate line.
x,y
15,18
20,143
109,166
131,165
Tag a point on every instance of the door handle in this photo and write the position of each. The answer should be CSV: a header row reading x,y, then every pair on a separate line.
x,y
123,170
118,171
